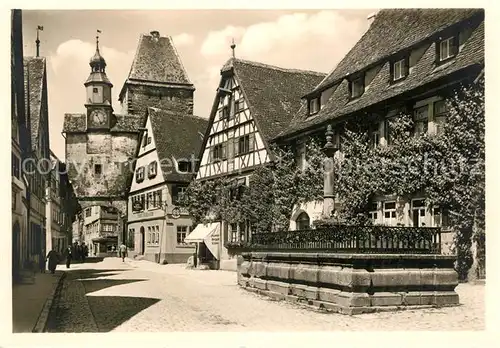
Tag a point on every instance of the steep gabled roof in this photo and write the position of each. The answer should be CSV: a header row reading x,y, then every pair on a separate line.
x,y
391,31
176,136
34,81
77,123
157,61
272,93
387,25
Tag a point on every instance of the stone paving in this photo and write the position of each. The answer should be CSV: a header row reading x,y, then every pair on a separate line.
x,y
142,296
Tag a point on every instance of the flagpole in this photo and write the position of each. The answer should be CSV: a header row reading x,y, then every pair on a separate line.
x,y
38,40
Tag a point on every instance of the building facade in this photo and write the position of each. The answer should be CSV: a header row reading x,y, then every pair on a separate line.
x,y
38,165
100,227
157,78
383,76
164,167
20,142
60,208
99,144
254,102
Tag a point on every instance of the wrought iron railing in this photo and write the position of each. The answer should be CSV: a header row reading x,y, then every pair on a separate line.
x,y
359,239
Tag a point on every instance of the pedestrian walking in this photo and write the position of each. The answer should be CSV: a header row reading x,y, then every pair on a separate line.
x,y
53,260
123,252
85,251
69,256
41,262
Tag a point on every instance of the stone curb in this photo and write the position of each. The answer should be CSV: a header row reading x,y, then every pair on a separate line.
x,y
41,323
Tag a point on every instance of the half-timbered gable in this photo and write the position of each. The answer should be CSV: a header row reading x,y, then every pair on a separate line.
x,y
254,101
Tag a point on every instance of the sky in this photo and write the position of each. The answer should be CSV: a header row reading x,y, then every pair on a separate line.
x,y
300,39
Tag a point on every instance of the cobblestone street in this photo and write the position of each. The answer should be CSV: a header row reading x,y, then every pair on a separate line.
x,y
145,297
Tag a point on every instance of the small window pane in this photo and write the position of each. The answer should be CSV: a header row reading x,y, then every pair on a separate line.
x,y
389,205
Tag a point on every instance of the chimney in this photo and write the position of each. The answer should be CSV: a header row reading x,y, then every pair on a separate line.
x,y
371,17
155,34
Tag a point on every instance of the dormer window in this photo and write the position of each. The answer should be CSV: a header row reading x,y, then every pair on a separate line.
x,y
357,87
447,48
399,69
152,169
314,106
184,167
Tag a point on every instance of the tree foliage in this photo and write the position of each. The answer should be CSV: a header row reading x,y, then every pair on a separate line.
x,y
447,168
267,203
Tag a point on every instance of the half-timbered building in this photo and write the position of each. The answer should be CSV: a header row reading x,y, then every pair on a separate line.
x,y
254,102
408,62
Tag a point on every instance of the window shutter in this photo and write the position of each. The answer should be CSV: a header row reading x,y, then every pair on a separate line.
x,y
251,141
391,68
406,68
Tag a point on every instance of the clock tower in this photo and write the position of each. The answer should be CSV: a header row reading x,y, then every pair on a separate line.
x,y
98,91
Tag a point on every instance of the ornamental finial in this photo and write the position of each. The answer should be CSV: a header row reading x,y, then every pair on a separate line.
x,y
329,147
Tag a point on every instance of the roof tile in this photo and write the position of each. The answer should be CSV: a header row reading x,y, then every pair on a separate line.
x,y
273,93
381,90
391,31
176,136
156,60
34,83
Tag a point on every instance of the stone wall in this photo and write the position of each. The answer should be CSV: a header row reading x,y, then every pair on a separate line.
x,y
110,150
351,283
139,98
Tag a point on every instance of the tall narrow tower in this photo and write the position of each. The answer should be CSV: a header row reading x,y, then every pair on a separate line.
x,y
98,87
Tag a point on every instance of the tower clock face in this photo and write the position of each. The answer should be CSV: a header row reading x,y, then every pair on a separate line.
x,y
99,117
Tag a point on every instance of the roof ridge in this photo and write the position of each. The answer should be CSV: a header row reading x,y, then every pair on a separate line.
x,y
381,17
169,37
274,67
155,109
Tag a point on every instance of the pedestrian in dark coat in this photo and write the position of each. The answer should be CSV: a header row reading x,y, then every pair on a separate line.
x,y
53,260
69,256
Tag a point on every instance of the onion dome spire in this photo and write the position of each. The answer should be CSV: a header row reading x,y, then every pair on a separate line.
x,y
97,62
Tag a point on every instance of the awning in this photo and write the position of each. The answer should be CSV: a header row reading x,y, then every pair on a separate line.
x,y
201,232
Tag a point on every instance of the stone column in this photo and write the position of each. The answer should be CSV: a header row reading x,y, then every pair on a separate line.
x,y
328,169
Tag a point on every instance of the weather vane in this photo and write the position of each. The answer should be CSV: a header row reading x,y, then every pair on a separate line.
x,y
233,46
38,29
